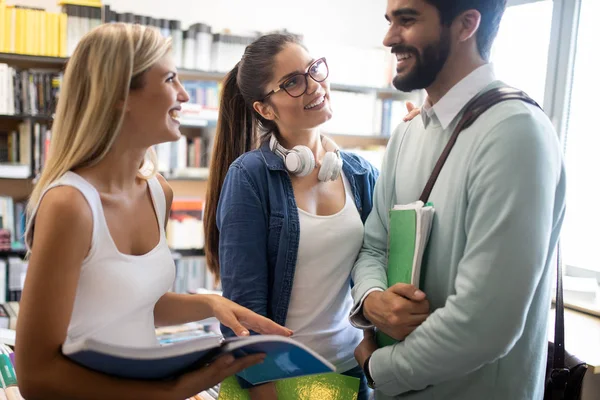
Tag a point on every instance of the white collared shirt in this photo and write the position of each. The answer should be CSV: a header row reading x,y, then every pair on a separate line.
x,y
448,107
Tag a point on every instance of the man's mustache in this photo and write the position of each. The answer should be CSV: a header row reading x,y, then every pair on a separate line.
x,y
400,48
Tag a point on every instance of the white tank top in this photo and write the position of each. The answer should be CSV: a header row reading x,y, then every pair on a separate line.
x,y
117,292
321,301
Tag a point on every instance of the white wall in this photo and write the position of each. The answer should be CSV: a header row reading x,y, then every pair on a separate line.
x,y
351,22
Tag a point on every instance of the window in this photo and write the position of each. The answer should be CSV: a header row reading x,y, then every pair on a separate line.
x,y
520,52
580,237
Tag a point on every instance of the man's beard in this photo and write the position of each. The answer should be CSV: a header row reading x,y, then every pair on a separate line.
x,y
426,68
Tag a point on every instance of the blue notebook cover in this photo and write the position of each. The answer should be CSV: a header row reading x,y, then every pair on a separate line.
x,y
286,358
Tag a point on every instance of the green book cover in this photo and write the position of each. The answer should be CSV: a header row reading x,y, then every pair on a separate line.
x,y
401,253
329,386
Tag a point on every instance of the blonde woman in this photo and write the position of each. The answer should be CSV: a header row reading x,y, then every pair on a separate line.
x,y
99,263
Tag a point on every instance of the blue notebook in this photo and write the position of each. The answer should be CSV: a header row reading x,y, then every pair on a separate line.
x,y
286,358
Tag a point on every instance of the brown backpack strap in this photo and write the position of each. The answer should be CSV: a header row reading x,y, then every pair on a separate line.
x,y
473,110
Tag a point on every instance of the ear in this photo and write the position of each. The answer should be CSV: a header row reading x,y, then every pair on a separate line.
x,y
467,24
123,105
265,110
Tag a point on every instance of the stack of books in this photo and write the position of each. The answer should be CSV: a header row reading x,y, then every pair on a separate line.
x,y
409,229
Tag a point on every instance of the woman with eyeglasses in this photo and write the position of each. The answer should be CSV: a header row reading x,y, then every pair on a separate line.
x,y
285,207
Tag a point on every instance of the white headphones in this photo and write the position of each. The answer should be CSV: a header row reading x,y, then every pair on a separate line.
x,y
301,162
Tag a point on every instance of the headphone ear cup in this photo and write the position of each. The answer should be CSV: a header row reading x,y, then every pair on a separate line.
x,y
293,162
307,160
337,170
328,166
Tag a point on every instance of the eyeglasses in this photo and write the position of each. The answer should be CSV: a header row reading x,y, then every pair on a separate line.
x,y
297,84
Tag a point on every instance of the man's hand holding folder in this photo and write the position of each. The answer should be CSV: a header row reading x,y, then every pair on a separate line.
x,y
397,311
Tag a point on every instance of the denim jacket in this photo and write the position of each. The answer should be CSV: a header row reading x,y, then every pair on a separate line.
x,y
259,228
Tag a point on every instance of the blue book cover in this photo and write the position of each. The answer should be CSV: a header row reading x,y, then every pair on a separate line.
x,y
285,357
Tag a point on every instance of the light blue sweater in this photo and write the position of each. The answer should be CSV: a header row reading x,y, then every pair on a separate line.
x,y
499,201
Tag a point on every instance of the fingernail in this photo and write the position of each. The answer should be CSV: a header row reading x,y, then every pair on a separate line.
x,y
245,333
419,293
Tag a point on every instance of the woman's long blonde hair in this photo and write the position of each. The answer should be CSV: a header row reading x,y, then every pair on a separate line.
x,y
108,62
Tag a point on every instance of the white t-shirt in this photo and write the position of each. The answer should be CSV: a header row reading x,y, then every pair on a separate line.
x,y
321,302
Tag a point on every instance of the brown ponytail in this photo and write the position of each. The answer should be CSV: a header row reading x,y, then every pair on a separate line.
x,y
234,137
239,126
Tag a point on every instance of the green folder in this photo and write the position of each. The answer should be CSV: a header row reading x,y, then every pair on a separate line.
x,y
409,229
330,386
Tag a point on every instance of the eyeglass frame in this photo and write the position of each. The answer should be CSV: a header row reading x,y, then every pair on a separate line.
x,y
305,75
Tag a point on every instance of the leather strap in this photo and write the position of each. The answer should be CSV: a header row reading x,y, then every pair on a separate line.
x,y
559,323
474,109
559,374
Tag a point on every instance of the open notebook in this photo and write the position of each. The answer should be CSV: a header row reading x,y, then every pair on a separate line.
x,y
285,357
409,229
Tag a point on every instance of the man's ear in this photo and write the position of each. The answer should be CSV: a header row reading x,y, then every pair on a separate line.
x,y
265,110
466,25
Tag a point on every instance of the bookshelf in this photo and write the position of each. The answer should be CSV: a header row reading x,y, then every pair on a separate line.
x,y
32,118
190,128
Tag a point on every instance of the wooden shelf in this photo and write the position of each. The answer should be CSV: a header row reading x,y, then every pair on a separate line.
x,y
189,252
30,61
188,188
202,75
13,252
20,117
189,124
19,189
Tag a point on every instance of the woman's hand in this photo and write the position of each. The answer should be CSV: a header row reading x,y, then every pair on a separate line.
x,y
240,319
412,111
196,381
